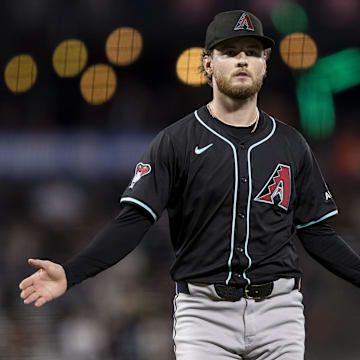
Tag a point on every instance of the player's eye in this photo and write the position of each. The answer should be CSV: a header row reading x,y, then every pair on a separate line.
x,y
253,52
230,52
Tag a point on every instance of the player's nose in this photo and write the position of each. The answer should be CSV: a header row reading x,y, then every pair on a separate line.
x,y
242,58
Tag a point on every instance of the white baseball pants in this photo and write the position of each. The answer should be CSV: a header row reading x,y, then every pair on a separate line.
x,y
207,327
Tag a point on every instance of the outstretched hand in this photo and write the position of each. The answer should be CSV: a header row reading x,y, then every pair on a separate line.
x,y
47,284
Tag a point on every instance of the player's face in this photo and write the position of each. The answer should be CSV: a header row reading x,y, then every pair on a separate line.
x,y
238,67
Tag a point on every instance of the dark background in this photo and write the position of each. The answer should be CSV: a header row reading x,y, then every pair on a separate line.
x,y
64,164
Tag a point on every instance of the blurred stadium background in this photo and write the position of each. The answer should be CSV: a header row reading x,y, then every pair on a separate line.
x,y
84,87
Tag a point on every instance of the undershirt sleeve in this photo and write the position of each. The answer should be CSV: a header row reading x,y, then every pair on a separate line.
x,y
111,244
323,244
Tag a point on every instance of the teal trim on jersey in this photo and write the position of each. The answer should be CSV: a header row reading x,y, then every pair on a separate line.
x,y
249,198
232,241
144,206
332,213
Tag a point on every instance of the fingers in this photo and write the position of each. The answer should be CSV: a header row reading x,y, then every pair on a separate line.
x,y
31,298
29,281
40,301
30,295
40,264
28,291
36,296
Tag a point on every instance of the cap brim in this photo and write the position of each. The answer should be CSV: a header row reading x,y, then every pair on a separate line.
x,y
266,41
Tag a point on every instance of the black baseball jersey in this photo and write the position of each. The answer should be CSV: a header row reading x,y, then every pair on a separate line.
x,y
233,204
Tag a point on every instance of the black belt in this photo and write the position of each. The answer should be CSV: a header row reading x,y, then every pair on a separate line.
x,y
234,293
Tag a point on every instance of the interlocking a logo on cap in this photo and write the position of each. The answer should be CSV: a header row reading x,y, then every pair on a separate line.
x,y
244,23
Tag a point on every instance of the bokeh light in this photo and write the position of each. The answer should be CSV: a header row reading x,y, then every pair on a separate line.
x,y
289,17
317,86
316,107
124,46
187,67
98,84
341,70
70,58
298,51
20,73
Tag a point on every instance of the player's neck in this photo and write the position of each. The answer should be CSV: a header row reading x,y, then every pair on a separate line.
x,y
234,112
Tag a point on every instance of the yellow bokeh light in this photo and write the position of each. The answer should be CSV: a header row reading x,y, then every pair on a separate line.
x,y
187,67
20,73
298,51
124,46
70,58
98,84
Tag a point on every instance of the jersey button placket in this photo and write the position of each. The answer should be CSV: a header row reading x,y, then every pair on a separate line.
x,y
242,260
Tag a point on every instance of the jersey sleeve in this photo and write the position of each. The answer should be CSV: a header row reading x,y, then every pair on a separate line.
x,y
314,200
152,181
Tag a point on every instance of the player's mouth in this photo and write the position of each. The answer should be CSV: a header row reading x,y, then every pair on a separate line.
x,y
242,74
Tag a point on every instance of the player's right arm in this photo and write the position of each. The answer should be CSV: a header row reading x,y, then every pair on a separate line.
x,y
110,245
143,202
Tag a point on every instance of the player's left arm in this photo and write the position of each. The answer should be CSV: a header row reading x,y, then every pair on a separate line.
x,y
321,242
314,201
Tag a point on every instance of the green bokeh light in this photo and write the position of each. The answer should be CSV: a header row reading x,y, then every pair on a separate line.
x,y
316,107
289,17
316,87
341,70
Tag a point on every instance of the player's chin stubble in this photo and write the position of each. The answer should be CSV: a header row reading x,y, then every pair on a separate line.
x,y
241,92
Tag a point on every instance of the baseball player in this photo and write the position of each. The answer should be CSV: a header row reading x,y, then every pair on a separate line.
x,y
237,184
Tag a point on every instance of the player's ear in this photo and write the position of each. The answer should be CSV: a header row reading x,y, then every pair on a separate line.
x,y
265,67
207,64
266,56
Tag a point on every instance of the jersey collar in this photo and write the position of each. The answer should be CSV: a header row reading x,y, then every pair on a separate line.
x,y
264,126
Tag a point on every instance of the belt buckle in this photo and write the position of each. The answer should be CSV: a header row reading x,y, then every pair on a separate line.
x,y
247,296
229,293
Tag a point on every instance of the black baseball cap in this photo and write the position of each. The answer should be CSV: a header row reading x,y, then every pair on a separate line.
x,y
231,24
